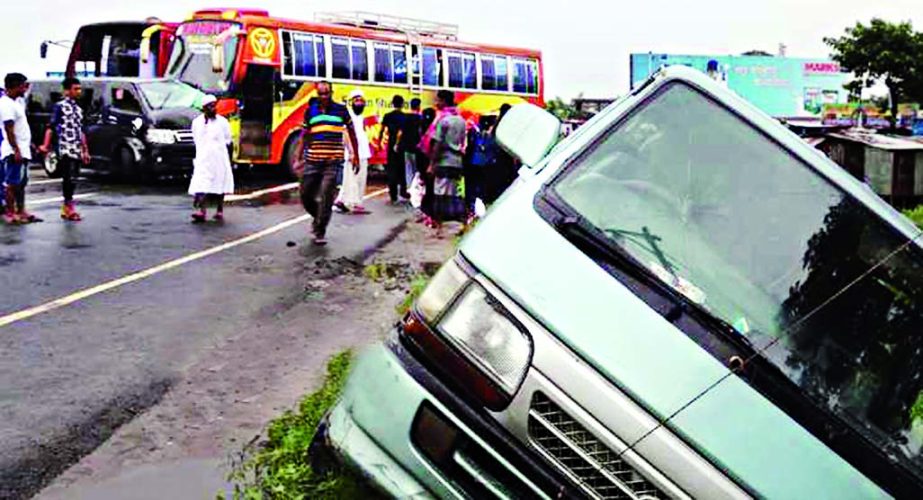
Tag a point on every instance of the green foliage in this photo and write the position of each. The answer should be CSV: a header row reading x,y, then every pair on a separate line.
x,y
281,468
561,109
915,215
417,285
882,51
916,411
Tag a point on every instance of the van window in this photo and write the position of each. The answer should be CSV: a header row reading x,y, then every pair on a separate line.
x,y
124,100
751,235
304,55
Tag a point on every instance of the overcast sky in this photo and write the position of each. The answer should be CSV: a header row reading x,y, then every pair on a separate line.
x,y
586,43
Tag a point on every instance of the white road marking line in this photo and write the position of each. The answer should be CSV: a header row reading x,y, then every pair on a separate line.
x,y
257,194
46,181
59,199
147,273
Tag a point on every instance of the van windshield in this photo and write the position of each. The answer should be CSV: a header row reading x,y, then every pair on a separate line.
x,y
736,224
171,94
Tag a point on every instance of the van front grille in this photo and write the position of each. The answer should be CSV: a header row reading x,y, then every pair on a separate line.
x,y
583,457
184,136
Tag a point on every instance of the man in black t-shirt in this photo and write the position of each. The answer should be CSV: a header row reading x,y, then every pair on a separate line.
x,y
409,140
392,124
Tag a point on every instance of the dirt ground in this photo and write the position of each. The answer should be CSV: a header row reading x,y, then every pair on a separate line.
x,y
182,446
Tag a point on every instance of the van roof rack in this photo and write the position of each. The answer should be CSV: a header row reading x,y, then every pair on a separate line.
x,y
384,22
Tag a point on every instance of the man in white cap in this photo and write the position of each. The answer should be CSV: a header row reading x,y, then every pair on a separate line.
x,y
355,178
212,174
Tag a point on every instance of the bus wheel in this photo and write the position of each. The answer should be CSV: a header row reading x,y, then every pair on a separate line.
x,y
50,164
288,158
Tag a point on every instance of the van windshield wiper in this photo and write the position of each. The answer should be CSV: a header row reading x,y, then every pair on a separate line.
x,y
575,229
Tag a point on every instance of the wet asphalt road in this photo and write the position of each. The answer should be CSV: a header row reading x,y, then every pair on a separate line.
x,y
70,375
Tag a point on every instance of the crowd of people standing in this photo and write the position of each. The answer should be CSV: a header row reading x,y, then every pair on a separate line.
x,y
456,164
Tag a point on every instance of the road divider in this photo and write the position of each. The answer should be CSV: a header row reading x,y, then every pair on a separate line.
x,y
231,198
147,273
58,199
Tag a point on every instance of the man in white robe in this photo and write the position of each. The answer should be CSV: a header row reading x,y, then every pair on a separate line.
x,y
355,178
212,174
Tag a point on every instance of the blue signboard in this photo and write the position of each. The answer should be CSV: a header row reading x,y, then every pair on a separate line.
x,y
783,87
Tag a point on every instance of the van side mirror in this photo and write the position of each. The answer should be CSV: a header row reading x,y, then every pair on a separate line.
x,y
528,132
43,50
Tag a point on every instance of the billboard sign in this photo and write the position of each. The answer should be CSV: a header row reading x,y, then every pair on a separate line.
x,y
783,87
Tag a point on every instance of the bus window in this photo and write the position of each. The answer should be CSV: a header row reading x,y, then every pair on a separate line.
x,y
360,61
462,71
304,55
431,69
340,56
470,68
390,63
350,59
525,76
384,70
503,73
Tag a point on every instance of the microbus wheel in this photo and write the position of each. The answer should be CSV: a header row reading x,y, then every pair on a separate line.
x,y
50,164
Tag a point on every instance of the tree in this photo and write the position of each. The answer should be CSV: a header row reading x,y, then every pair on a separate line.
x,y
882,51
757,52
561,109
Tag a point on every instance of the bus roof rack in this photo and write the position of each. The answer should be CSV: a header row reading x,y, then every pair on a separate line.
x,y
371,20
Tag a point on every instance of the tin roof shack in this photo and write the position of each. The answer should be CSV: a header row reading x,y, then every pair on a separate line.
x,y
892,166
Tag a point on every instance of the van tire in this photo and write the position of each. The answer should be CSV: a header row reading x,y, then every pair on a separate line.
x,y
51,165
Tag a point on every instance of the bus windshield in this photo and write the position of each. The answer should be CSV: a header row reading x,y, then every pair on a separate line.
x,y
192,55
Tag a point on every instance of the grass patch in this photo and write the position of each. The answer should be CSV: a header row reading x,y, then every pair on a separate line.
x,y
417,285
280,467
916,215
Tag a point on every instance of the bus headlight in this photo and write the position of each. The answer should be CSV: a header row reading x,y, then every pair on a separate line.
x,y
161,136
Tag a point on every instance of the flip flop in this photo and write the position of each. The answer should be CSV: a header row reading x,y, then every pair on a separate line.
x,y
198,217
320,241
29,219
219,217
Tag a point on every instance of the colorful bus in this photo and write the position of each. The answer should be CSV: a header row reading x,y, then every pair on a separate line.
x,y
129,49
265,70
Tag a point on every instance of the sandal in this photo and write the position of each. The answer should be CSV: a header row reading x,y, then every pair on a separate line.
x,y
359,210
12,219
320,241
69,214
219,216
198,217
27,218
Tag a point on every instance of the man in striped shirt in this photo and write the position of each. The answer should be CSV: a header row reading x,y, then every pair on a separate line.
x,y
322,142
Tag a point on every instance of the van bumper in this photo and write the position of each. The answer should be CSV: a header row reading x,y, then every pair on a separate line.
x,y
409,436
169,158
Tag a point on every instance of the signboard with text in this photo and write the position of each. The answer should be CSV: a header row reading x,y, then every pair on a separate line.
x,y
783,87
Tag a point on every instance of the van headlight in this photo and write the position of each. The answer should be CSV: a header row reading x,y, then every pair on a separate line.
x,y
160,136
470,337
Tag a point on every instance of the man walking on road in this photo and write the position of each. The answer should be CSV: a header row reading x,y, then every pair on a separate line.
x,y
446,154
409,140
322,146
70,143
392,124
354,181
212,174
16,150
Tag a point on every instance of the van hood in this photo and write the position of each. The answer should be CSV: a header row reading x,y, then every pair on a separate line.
x,y
651,360
174,118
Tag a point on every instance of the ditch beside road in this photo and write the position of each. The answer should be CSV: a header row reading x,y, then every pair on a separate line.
x,y
182,447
